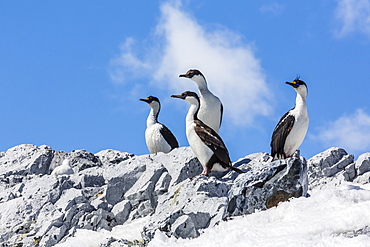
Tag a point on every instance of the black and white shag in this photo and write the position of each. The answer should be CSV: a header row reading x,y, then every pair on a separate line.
x,y
291,130
211,108
203,140
157,136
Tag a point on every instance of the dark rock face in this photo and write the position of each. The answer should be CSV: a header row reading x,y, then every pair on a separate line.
x,y
260,189
112,188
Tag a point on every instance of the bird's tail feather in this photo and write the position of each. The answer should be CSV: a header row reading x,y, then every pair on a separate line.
x,y
236,169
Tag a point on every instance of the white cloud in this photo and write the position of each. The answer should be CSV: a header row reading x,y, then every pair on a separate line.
x,y
351,132
126,63
272,8
232,70
354,16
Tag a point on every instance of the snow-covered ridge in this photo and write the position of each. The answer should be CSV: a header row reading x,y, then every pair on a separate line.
x,y
115,198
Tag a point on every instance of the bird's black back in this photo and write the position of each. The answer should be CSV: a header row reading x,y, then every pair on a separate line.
x,y
169,137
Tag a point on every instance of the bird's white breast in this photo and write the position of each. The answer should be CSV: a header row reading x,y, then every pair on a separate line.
x,y
154,139
298,132
200,150
210,111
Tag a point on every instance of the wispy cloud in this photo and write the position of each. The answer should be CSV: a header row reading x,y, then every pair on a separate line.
x,y
272,8
354,16
232,70
351,132
127,63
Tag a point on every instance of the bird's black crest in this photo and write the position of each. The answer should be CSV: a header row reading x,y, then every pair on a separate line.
x,y
195,72
186,94
153,98
190,94
299,81
191,73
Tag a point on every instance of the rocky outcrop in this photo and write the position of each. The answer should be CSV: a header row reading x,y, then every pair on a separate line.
x,y
113,188
193,205
335,164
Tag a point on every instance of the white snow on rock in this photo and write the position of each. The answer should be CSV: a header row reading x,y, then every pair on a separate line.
x,y
330,217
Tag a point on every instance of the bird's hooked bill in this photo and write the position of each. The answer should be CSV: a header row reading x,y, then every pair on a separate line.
x,y
293,83
181,96
145,100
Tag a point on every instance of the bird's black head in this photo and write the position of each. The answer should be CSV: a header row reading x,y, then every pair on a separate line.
x,y
186,94
296,83
191,73
150,99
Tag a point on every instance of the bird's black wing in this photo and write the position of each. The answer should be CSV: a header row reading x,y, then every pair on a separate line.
x,y
222,113
169,137
280,134
212,140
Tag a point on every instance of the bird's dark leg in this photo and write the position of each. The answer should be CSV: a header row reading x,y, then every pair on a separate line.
x,y
205,172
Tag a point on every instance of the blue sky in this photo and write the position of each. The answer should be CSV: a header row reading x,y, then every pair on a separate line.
x,y
71,74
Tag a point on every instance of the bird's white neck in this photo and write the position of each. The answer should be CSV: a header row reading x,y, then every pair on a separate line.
x,y
153,117
300,101
202,84
193,110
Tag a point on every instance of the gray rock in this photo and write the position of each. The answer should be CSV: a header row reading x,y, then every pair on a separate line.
x,y
32,212
184,227
363,163
202,198
83,160
163,184
196,204
75,216
143,209
49,216
260,189
96,220
327,166
69,198
90,180
100,203
112,157
121,211
179,169
41,163
143,189
123,177
350,172
26,159
113,187
337,167
52,237
327,158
